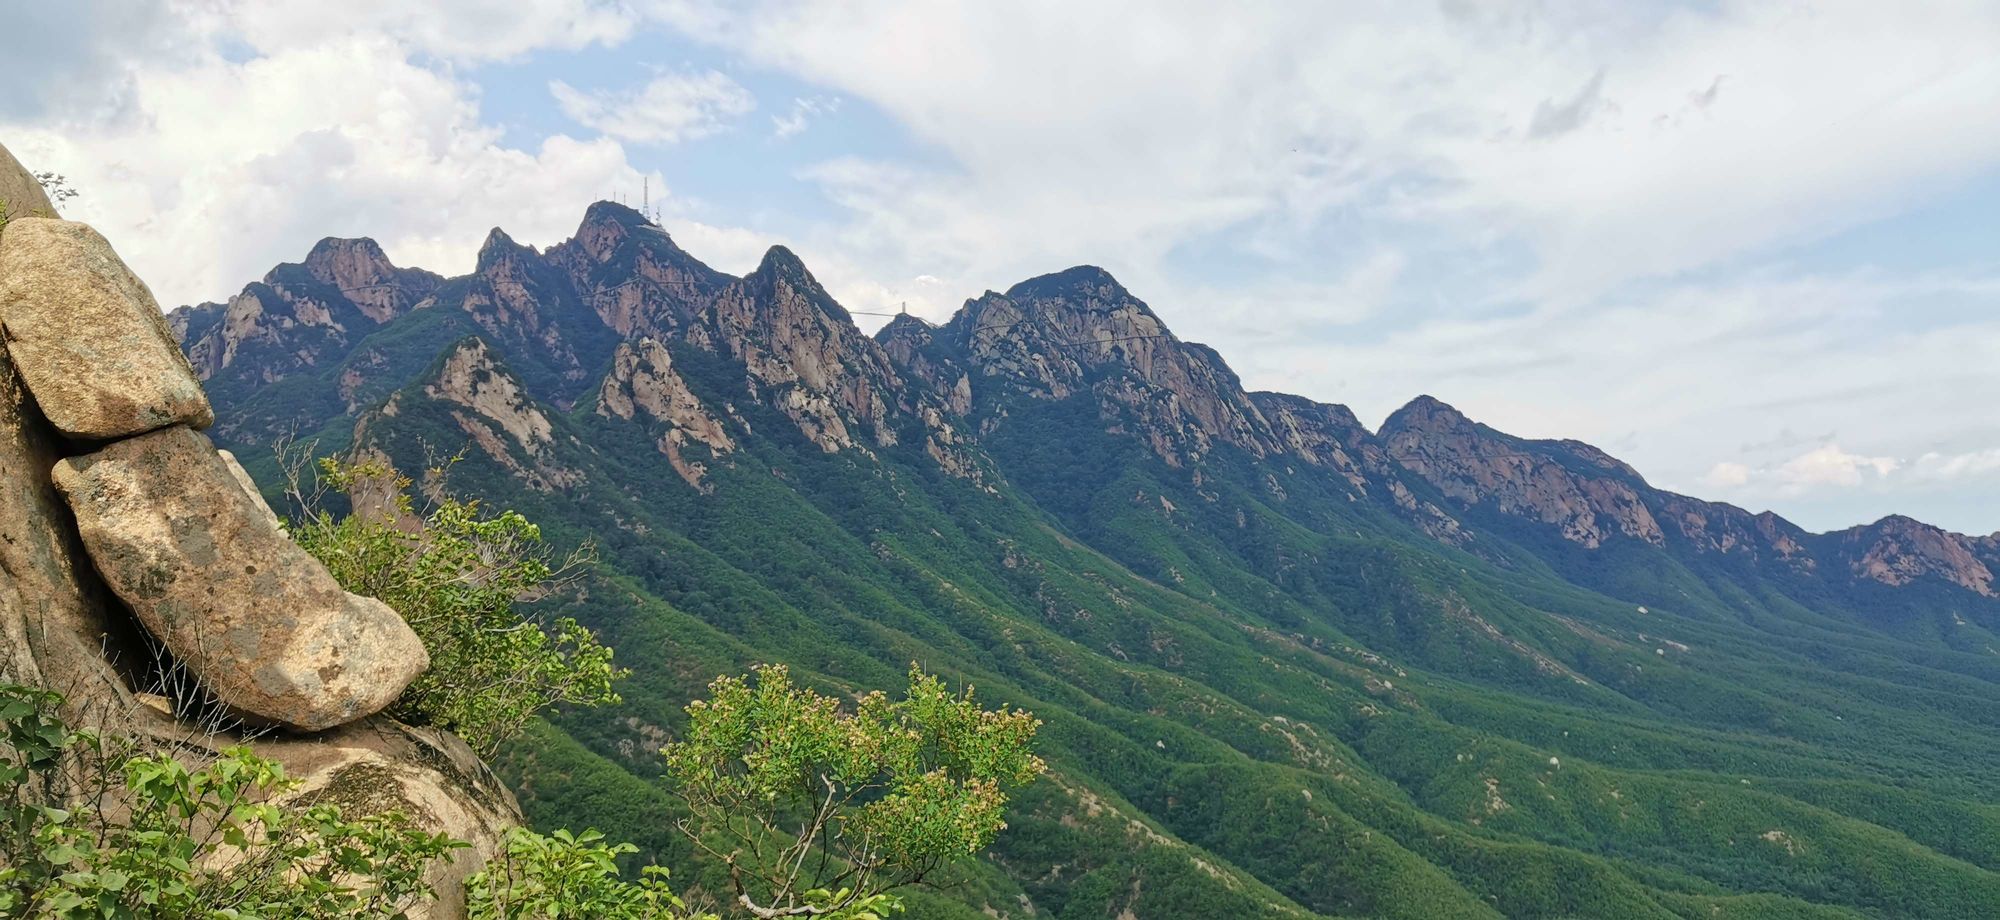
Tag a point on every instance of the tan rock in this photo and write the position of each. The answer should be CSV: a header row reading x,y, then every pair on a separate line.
x,y
379,765
20,194
87,336
259,623
242,477
57,627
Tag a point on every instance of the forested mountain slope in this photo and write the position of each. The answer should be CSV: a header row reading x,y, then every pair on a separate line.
x,y
1290,667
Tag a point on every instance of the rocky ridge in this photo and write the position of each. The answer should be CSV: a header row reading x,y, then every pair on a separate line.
x,y
605,313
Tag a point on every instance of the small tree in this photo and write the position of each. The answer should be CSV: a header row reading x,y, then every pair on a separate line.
x,y
564,876
89,827
465,580
56,186
823,812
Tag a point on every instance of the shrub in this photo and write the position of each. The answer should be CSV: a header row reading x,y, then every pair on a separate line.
x,y
563,876
91,828
465,581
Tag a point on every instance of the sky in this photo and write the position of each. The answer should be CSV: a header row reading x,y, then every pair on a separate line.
x,y
1752,248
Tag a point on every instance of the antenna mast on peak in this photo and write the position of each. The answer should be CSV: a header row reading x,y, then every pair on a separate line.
x,y
646,203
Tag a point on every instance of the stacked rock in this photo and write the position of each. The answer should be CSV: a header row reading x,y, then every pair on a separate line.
x,y
166,518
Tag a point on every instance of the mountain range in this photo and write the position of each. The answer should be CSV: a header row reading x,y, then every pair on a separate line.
x,y
1289,666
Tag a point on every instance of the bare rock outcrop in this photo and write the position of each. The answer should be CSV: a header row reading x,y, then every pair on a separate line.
x,y
1898,550
258,621
56,628
87,336
380,765
179,528
20,195
643,382
1475,465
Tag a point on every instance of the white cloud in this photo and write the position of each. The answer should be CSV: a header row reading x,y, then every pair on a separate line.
x,y
1727,475
1936,466
669,109
804,110
216,169
1688,135
458,30
1828,465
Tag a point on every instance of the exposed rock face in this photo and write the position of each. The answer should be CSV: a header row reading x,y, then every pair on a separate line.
x,y
1897,550
242,477
56,628
361,272
632,275
87,337
1476,465
301,317
804,355
259,623
643,382
379,765
597,314
493,409
20,195
1058,334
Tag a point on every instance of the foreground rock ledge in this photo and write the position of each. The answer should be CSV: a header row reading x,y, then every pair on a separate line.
x,y
87,336
260,623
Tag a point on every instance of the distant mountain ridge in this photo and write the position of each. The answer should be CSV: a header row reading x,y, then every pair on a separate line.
x,y
1045,338
1293,667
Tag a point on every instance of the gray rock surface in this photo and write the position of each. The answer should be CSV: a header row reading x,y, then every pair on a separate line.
x,y
87,336
259,623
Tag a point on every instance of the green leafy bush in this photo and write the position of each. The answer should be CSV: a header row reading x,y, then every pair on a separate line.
x,y
564,876
90,828
819,811
466,581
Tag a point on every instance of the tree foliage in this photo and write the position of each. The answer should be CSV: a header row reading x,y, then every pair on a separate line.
x,y
467,581
820,811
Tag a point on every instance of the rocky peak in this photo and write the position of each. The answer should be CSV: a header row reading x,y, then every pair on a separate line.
x,y
605,225
1079,329
633,275
805,356
347,262
781,267
1320,433
1533,479
1427,414
499,254
1898,550
303,314
362,273
1083,285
